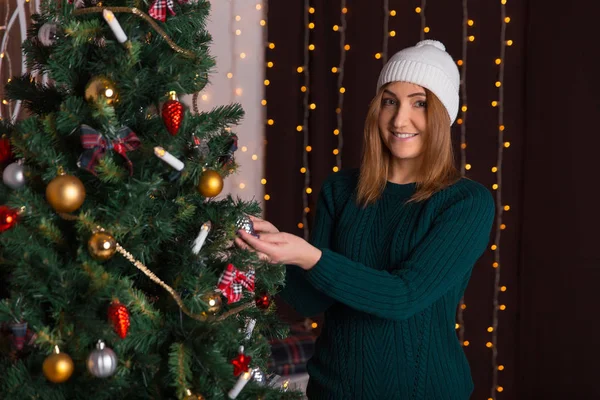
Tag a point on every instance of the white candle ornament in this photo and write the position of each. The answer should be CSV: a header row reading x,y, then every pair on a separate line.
x,y
239,385
168,158
115,26
199,242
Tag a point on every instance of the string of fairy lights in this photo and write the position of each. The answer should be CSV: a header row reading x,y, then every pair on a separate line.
x,y
421,11
305,70
462,63
341,90
386,28
263,8
501,208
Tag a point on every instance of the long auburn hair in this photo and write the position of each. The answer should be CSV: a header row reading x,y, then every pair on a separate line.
x,y
437,168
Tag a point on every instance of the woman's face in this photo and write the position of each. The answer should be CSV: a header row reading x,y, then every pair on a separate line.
x,y
403,119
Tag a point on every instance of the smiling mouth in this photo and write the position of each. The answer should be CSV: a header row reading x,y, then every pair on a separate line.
x,y
404,135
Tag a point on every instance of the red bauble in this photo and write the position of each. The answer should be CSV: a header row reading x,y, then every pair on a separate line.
x,y
6,154
119,316
263,301
172,114
240,364
8,218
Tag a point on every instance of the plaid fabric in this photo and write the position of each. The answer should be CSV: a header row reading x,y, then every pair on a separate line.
x,y
95,146
232,282
158,10
290,355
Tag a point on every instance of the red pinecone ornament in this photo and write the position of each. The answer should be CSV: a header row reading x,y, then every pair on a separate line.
x,y
8,218
240,364
118,314
172,114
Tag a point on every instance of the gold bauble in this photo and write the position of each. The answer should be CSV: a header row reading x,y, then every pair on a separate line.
x,y
65,193
58,367
210,184
102,246
214,302
101,87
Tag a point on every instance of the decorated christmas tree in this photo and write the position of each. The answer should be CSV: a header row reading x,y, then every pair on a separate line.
x,y
119,275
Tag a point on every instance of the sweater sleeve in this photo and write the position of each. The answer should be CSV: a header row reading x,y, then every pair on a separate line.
x,y
298,292
457,238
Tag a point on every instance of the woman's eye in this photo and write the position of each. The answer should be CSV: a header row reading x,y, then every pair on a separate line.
x,y
389,102
421,104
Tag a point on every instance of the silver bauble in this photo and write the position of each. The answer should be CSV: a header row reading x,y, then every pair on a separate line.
x,y
48,34
245,223
14,176
102,362
259,377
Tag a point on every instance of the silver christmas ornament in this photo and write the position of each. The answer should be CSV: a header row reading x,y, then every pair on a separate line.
x,y
259,377
14,176
245,223
48,34
102,362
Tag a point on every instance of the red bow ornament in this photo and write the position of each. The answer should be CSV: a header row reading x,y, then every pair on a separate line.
x,y
95,145
158,9
232,282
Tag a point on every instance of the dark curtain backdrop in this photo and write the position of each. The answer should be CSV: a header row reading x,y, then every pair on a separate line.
x,y
548,263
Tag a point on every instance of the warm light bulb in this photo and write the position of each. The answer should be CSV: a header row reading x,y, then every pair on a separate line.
x,y
466,343
267,197
314,325
335,169
336,132
303,89
270,122
205,97
495,265
494,103
263,22
263,181
392,33
270,64
507,20
377,56
506,208
459,121
463,146
509,42
267,82
464,108
470,22
418,10
392,13
244,149
229,75
313,106
498,84
502,307
347,47
507,144
471,38
299,69
263,102
271,46
456,326
258,7
501,127
242,55
302,170
467,166
495,186
459,63
488,345
238,32
463,306
500,367
307,210
254,157
311,47
308,149
311,25
300,225
498,61
311,10
336,28
299,128
500,388
342,90
308,190
242,185
344,10
334,70
503,288
238,18
494,169
502,227
426,29
336,152
490,329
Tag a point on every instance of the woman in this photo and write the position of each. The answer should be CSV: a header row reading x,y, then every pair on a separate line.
x,y
393,246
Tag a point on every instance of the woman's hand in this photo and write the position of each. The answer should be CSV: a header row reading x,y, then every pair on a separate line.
x,y
262,226
281,248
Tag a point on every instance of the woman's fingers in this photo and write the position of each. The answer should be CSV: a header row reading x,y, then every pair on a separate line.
x,y
260,225
243,245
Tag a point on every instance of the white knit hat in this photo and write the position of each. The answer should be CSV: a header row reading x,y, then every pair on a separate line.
x,y
426,64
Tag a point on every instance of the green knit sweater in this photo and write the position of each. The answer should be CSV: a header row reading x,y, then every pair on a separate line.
x,y
389,282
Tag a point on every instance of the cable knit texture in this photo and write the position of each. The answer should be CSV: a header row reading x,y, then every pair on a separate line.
x,y
389,281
